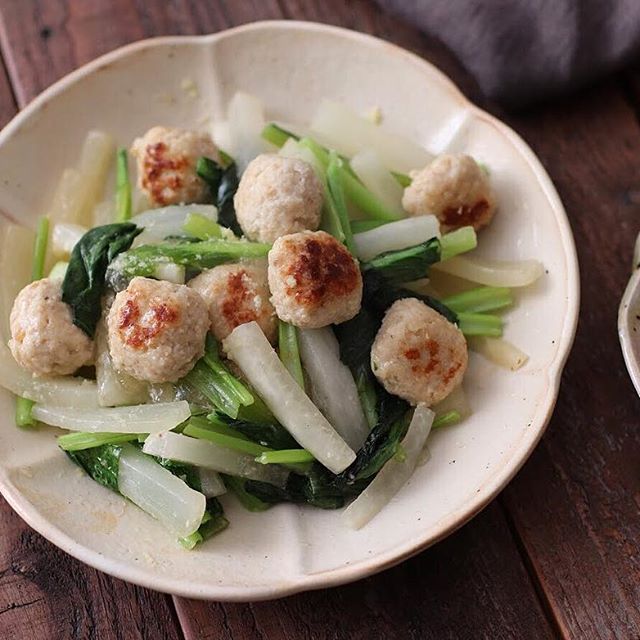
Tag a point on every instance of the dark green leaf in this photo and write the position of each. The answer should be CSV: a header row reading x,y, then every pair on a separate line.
x,y
379,294
213,522
101,463
223,184
84,282
405,265
248,500
272,435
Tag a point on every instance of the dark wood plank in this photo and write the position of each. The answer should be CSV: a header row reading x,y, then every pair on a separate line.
x,y
46,594
575,504
469,586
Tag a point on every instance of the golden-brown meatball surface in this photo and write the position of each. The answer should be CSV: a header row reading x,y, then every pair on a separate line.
x,y
418,354
314,280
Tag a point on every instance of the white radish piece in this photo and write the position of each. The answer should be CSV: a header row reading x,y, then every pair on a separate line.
x,y
499,351
170,272
211,483
221,134
80,189
395,473
333,389
293,149
159,493
348,133
115,388
104,213
492,273
368,166
65,236
16,250
54,391
456,401
248,347
145,418
168,221
209,455
396,235
245,115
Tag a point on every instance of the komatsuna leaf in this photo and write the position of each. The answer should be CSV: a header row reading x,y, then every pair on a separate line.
x,y
101,463
223,184
84,282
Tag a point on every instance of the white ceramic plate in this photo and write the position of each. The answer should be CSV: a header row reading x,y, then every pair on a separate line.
x,y
629,321
292,66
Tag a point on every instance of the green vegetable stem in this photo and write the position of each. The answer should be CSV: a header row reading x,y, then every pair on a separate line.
x,y
84,281
24,417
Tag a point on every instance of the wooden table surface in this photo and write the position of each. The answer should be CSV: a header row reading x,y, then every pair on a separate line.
x,y
556,555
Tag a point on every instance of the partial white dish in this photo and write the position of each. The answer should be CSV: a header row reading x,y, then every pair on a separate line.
x,y
187,81
629,321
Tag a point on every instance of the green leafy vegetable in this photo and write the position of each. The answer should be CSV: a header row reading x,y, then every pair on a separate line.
x,y
379,294
40,249
480,300
84,282
143,260
222,435
336,177
100,463
123,187
201,227
360,226
268,434
405,265
446,419
211,379
80,440
213,522
289,352
285,456
248,500
480,324
316,488
24,416
223,184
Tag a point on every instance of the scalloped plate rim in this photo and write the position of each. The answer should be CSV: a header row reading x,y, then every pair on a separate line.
x,y
464,512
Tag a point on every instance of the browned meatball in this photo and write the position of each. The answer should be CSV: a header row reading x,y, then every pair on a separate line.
x,y
455,189
314,280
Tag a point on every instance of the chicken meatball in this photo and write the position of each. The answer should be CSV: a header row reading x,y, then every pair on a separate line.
x,y
455,189
314,280
44,339
418,354
277,196
236,294
167,160
157,330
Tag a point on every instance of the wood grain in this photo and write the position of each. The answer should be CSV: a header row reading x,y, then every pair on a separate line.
x,y
575,504
572,511
464,587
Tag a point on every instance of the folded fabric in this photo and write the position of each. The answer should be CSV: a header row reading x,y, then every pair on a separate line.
x,y
522,51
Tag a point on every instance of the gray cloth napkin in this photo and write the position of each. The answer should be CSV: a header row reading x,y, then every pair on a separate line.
x,y
523,51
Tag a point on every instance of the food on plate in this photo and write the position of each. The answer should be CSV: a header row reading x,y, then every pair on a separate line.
x,y
284,324
44,339
454,188
166,159
315,281
156,330
236,294
278,196
418,354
